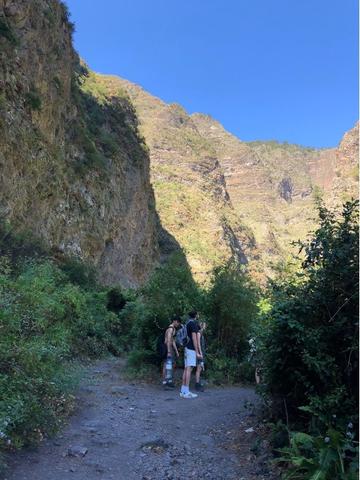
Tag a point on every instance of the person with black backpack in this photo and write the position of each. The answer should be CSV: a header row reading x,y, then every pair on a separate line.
x,y
192,351
168,350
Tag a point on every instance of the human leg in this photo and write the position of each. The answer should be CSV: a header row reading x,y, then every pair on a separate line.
x,y
190,363
198,373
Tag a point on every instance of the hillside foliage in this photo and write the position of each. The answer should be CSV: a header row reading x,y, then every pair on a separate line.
x,y
307,349
303,329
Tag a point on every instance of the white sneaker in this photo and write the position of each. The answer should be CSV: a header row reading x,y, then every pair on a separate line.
x,y
194,395
188,395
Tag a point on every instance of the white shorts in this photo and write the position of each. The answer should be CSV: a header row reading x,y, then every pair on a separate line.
x,y
190,358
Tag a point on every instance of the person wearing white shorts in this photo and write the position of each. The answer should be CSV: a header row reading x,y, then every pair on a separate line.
x,y
190,357
192,353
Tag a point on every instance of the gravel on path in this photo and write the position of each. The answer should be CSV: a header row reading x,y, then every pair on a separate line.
x,y
132,431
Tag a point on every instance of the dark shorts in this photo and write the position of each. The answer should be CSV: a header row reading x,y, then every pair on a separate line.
x,y
163,352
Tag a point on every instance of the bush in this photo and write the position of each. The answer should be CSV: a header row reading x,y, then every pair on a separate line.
x,y
144,314
78,272
332,455
7,32
48,317
308,341
231,308
307,350
222,370
33,100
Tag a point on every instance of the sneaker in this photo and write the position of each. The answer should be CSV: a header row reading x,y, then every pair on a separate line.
x,y
199,387
169,385
188,395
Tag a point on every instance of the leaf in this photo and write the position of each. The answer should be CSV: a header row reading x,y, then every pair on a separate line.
x,y
318,475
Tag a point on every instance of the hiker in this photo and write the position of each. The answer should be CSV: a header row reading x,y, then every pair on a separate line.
x,y
169,351
191,354
253,360
200,364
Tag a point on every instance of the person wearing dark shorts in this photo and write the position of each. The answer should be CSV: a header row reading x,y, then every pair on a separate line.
x,y
169,347
200,365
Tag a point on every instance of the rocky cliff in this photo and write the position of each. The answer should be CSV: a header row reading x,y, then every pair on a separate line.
x,y
274,186
220,197
73,168
75,165
191,196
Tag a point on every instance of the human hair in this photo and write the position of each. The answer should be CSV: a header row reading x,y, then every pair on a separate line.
x,y
203,325
193,314
176,318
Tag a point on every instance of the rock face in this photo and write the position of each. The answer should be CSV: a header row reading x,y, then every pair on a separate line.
x,y
190,189
220,197
73,168
273,186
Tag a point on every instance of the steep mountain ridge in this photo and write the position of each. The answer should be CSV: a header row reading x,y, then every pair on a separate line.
x,y
73,170
254,197
77,150
191,196
273,186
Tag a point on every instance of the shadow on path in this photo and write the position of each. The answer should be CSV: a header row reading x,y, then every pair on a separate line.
x,y
132,431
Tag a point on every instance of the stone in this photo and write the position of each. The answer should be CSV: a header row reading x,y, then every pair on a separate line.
x,y
118,390
77,451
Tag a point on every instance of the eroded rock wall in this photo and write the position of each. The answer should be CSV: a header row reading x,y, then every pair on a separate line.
x,y
73,168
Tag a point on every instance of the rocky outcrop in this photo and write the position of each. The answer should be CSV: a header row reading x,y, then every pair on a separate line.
x,y
190,189
220,197
73,168
273,186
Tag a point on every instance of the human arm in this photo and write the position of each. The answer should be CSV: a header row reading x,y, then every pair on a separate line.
x,y
175,348
195,339
199,343
168,341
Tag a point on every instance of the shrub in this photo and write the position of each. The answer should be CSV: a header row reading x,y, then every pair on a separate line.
x,y
78,272
48,316
231,308
33,100
7,32
222,370
170,291
332,455
308,340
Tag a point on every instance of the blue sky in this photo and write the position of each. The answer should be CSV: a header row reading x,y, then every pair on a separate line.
x,y
279,69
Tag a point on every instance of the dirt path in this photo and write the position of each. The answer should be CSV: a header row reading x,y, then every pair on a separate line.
x,y
140,432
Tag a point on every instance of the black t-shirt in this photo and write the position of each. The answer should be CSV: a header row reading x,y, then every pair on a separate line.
x,y
192,327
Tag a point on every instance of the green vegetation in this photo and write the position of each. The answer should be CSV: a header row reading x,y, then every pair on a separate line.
x,y
229,306
232,308
106,128
51,313
170,291
7,32
307,350
275,144
33,100
303,328
318,194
